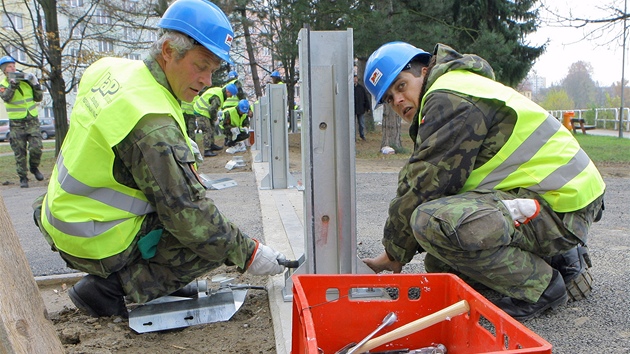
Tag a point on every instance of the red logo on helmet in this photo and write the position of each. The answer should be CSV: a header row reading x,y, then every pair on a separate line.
x,y
228,40
376,75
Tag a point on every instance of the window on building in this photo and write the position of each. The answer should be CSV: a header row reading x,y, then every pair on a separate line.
x,y
153,36
128,33
78,30
134,56
102,17
75,3
10,20
16,53
131,5
47,112
105,46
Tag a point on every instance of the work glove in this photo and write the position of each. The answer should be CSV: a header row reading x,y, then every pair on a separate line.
x,y
30,77
264,261
235,132
195,148
522,210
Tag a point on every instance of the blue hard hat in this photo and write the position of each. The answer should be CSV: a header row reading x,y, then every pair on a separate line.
x,y
232,75
275,74
243,106
231,88
6,59
386,63
204,22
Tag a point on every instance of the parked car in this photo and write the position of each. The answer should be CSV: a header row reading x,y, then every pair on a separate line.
x,y
4,129
47,126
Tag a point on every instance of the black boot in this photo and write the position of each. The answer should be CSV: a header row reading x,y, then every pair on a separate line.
x,y
573,266
99,297
209,153
215,147
38,175
23,182
554,296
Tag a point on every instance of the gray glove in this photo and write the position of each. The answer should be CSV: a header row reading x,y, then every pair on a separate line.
x,y
32,79
265,261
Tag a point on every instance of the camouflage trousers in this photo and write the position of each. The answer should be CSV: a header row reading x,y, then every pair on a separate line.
x,y
191,125
474,235
172,267
208,129
24,138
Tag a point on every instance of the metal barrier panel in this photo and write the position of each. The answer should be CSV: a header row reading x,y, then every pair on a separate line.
x,y
255,125
328,151
279,176
263,127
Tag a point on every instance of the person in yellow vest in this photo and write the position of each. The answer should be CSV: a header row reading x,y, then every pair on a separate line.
x,y
496,190
240,94
235,125
207,108
20,93
125,202
276,78
189,117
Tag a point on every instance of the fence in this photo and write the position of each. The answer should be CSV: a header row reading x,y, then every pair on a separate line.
x,y
602,118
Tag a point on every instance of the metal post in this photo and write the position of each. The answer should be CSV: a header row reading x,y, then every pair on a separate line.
x,y
263,131
279,175
623,68
255,125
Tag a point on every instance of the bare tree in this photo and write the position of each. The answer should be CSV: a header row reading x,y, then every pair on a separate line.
x,y
88,31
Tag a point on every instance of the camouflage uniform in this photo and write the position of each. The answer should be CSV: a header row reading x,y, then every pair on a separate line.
x,y
472,233
208,126
195,236
25,135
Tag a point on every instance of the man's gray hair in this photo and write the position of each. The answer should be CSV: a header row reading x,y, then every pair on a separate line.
x,y
180,42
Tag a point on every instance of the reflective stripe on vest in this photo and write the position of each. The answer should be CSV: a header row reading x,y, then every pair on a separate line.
x,y
540,154
87,213
22,102
187,107
202,105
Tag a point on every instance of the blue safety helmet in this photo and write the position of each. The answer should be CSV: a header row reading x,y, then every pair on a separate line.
x,y
232,75
386,63
231,88
243,106
204,22
275,74
6,59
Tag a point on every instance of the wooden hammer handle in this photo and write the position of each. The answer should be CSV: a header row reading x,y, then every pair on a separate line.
x,y
415,326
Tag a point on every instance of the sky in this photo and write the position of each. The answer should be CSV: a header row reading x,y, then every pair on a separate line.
x,y
567,45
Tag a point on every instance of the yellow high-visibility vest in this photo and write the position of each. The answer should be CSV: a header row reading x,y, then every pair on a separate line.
x,y
202,105
540,155
22,102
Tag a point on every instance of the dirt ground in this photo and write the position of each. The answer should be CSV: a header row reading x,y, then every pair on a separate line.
x,y
251,328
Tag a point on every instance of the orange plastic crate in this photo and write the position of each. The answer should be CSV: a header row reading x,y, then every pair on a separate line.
x,y
326,318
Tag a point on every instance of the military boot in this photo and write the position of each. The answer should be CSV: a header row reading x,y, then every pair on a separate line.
x,y
209,153
554,296
38,175
23,182
99,297
573,266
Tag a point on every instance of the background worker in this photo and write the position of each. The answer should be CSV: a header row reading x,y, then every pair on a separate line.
x,y
20,96
207,107
276,78
190,118
240,94
125,203
235,126
496,190
361,105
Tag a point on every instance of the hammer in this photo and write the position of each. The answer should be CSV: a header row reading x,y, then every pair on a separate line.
x,y
412,327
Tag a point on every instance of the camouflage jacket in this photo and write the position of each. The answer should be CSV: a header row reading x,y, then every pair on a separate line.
x,y
453,135
155,159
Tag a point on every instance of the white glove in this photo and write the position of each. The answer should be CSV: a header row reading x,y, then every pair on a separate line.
x,y
522,210
265,261
235,132
195,148
32,79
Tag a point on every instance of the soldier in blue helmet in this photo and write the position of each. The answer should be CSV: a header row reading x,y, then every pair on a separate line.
x,y
276,78
20,93
496,190
125,203
235,126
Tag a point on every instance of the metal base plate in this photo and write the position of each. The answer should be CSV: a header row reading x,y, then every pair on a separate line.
x,y
177,312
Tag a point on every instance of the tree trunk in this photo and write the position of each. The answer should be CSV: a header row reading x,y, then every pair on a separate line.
x,y
57,82
253,64
391,129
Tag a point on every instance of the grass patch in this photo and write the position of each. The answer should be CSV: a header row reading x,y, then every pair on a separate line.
x,y
605,149
7,165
